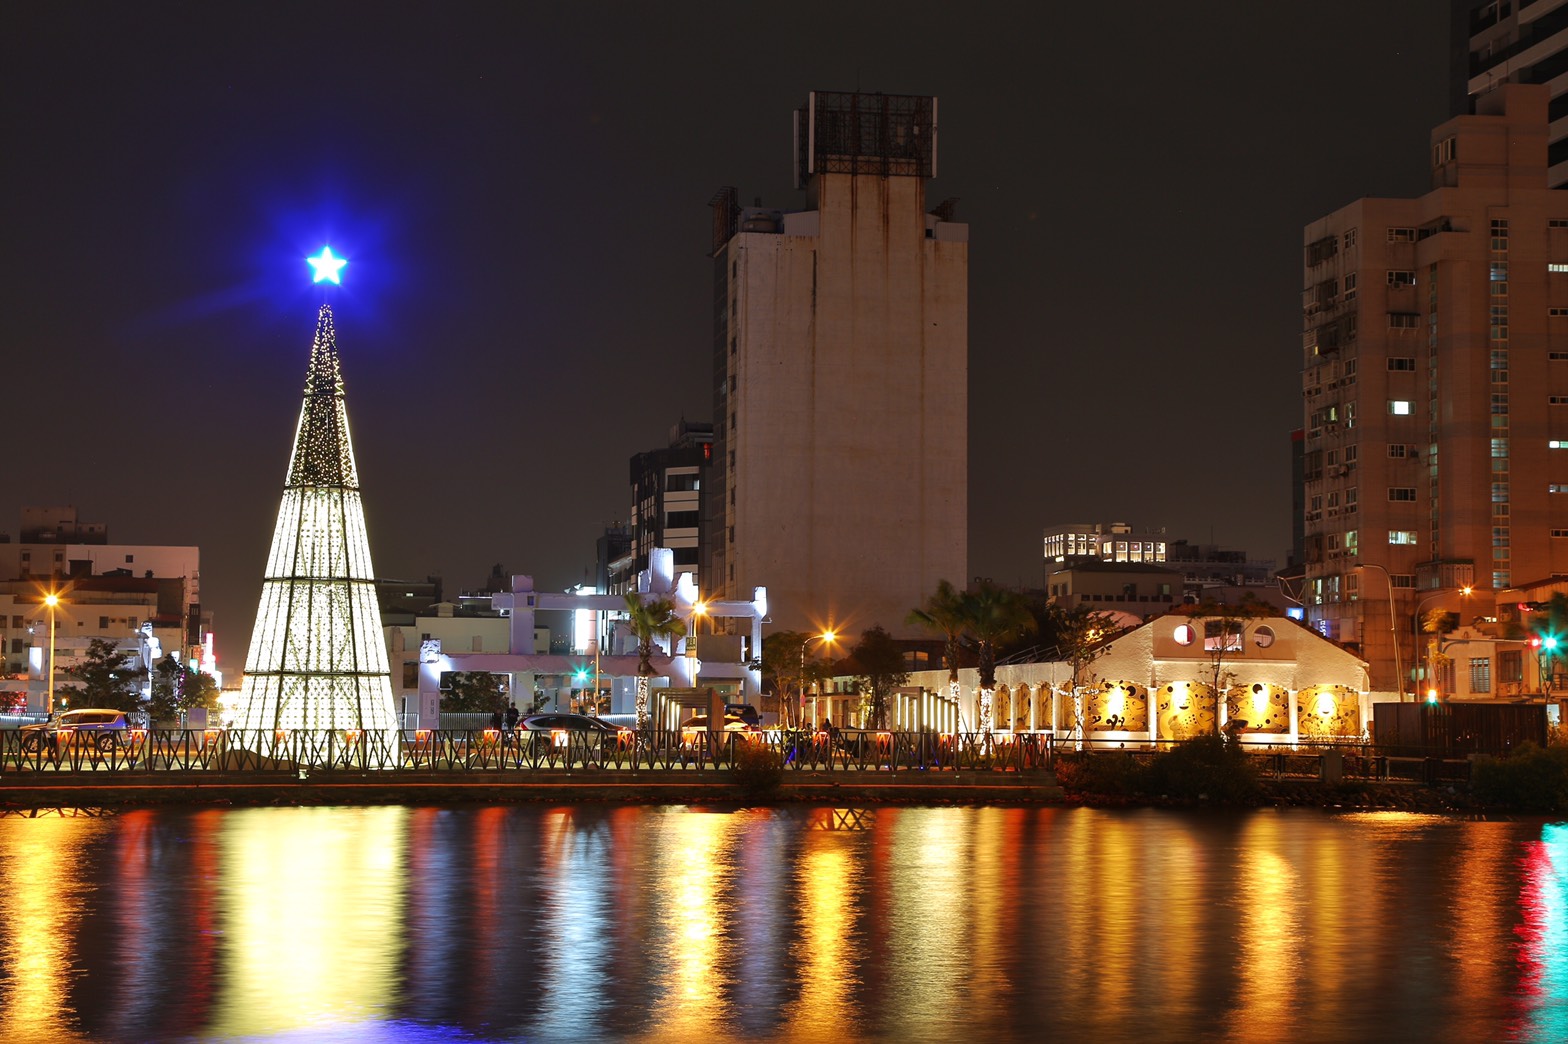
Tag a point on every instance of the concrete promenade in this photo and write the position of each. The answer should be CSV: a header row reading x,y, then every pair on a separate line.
x,y
93,790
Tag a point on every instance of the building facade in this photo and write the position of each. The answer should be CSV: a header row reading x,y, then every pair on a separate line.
x,y
667,502
1435,388
1515,41
840,377
1107,541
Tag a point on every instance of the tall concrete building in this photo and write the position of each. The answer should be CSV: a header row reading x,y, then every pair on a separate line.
x,y
1435,388
840,377
1515,41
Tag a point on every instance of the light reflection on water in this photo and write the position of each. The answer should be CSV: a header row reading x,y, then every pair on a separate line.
x,y
673,924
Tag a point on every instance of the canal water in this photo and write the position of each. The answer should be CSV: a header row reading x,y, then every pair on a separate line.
x,y
684,924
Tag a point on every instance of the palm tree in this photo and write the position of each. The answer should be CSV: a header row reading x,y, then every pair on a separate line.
x,y
944,612
993,615
649,622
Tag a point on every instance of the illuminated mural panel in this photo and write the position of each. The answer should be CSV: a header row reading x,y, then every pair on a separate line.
x,y
1328,710
1119,706
1258,707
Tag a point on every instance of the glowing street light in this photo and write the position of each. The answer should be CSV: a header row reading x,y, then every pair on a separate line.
x,y
698,608
327,268
827,637
51,600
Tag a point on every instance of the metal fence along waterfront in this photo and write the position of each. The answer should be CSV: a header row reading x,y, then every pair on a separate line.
x,y
521,753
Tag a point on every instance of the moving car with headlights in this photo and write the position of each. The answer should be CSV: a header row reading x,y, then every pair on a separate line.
x,y
102,729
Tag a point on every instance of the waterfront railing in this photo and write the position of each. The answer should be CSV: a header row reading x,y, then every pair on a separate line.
x,y
519,752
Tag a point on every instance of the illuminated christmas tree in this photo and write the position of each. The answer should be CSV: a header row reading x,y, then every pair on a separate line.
x,y
316,659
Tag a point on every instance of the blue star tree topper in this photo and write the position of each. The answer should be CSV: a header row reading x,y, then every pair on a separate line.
x,y
327,268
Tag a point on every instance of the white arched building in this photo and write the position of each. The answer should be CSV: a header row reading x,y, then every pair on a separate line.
x,y
1280,681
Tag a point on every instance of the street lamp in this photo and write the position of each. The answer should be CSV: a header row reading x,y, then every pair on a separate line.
x,y
51,600
826,636
698,608
1423,660
1393,630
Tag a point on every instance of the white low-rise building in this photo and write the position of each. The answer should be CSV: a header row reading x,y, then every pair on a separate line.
x,y
1280,681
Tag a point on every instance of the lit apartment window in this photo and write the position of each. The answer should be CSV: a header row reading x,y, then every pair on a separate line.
x,y
1555,267
1402,536
1557,487
1399,407
1481,674
1561,444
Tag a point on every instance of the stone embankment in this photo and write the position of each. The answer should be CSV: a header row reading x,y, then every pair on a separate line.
x,y
661,788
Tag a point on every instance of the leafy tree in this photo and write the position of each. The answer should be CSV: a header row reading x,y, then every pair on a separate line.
x,y
473,692
1224,633
944,613
993,615
1549,628
1079,635
781,664
176,689
649,621
106,680
1435,624
878,662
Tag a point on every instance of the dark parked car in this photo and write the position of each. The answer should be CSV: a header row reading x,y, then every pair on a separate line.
x,y
558,729
102,729
745,712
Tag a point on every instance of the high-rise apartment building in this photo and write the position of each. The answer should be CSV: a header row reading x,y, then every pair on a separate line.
x,y
1435,388
1515,41
666,499
840,377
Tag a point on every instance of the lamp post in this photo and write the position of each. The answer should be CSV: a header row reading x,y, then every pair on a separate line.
x,y
1424,661
1393,630
825,636
52,600
698,608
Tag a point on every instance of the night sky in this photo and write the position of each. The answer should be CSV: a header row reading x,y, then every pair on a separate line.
x,y
522,194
